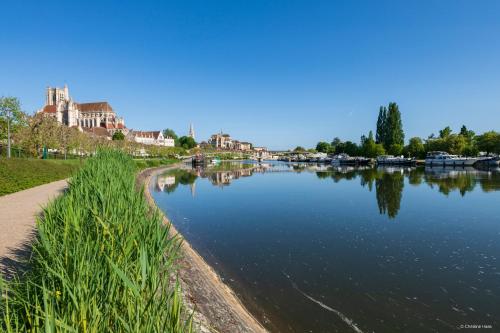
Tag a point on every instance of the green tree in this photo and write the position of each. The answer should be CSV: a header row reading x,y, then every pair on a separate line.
x,y
394,134
299,149
348,147
381,125
445,132
170,133
323,147
118,136
187,142
335,142
489,142
11,119
469,134
415,148
395,149
370,148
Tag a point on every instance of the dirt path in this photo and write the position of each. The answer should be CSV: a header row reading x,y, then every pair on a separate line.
x,y
18,213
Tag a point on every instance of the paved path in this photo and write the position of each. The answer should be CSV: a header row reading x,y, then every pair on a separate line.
x,y
18,212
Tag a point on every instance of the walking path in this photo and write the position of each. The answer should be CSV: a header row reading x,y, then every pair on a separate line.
x,y
18,213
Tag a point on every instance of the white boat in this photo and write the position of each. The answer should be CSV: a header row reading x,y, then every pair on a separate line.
x,y
441,158
344,159
394,160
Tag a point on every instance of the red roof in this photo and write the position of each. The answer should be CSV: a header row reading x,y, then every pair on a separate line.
x,y
49,109
120,126
96,106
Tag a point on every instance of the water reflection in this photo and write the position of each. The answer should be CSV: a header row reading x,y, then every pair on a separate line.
x,y
388,182
288,237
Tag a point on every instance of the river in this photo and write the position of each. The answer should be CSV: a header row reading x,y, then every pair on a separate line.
x,y
313,248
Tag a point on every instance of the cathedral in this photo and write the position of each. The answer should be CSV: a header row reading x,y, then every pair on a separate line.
x,y
87,116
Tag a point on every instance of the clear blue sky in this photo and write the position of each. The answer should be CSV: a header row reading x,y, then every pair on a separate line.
x,y
276,73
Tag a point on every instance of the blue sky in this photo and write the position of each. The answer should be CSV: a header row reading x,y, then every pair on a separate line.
x,y
276,73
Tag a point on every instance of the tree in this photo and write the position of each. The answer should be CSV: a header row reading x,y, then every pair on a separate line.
x,y
118,136
323,147
335,142
394,134
42,131
370,148
380,135
170,133
187,142
467,133
489,142
445,132
348,147
415,148
11,119
395,149
299,149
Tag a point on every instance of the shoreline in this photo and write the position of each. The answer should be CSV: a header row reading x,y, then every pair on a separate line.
x,y
218,309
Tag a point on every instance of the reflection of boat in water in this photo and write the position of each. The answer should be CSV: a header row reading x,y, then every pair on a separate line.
x,y
344,159
394,160
441,158
452,172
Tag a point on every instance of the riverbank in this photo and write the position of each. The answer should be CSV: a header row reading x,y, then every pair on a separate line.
x,y
218,307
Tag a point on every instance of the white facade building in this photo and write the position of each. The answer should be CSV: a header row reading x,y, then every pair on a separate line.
x,y
152,138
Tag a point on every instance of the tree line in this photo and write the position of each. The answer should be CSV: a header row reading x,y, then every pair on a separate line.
x,y
35,134
390,139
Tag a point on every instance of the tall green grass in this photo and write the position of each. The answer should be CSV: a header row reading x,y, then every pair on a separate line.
x,y
102,261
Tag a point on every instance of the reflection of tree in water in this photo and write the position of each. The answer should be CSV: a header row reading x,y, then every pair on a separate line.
x,y
416,176
389,184
180,176
463,180
389,191
448,181
491,182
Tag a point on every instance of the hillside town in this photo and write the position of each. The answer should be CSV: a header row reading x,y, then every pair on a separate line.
x,y
100,119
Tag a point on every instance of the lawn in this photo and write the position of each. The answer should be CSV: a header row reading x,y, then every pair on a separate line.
x,y
17,174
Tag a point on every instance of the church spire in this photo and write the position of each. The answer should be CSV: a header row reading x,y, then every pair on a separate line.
x,y
191,131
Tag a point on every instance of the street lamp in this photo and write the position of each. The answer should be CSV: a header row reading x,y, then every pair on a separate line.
x,y
8,132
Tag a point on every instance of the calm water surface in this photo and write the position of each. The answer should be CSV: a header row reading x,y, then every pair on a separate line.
x,y
312,248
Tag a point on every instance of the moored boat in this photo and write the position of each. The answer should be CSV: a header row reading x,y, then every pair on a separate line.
x,y
394,160
344,159
440,158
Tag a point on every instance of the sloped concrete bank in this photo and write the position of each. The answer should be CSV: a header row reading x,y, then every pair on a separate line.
x,y
217,308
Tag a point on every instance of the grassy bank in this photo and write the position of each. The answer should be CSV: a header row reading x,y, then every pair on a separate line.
x,y
17,174
153,162
102,261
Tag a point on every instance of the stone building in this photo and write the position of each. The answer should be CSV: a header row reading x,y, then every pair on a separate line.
x,y
225,142
221,141
59,104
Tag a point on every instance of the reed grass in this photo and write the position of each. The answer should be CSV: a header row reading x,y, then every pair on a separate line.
x,y
102,261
